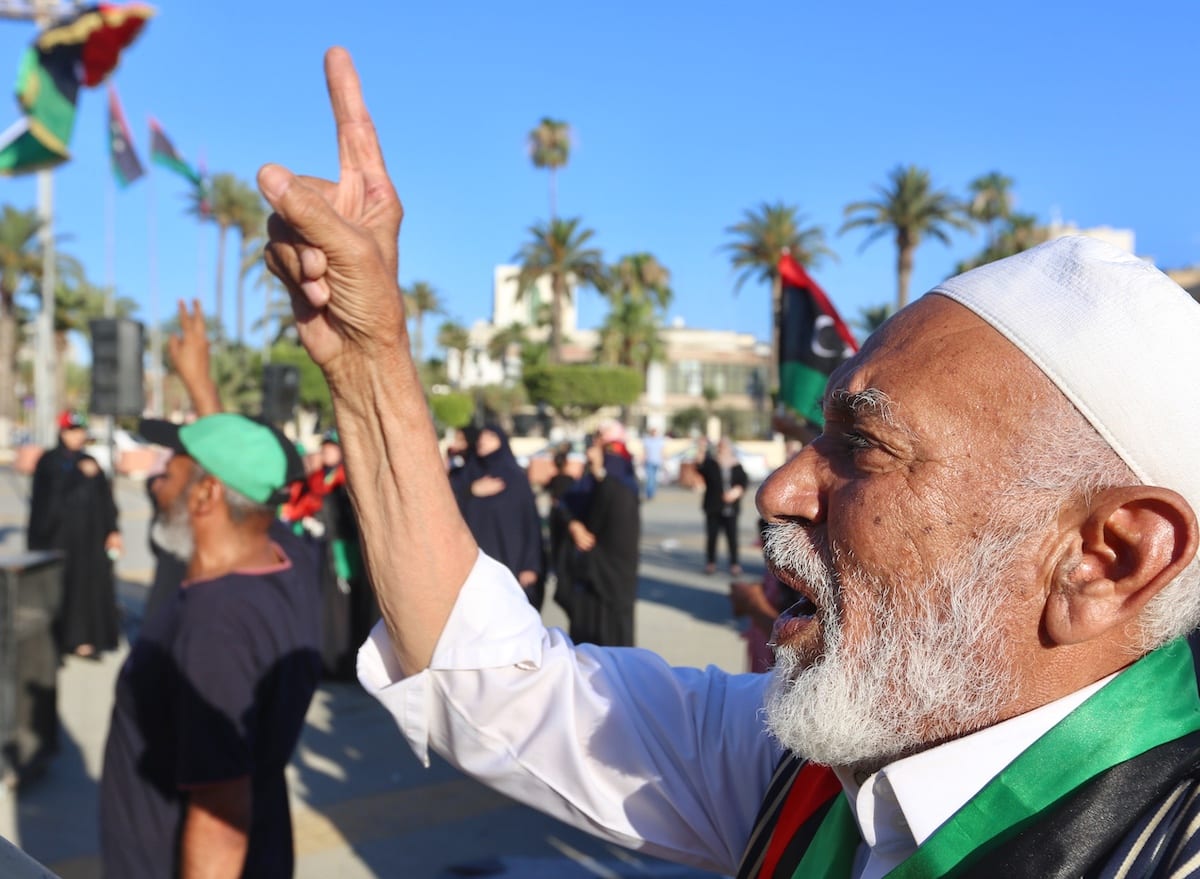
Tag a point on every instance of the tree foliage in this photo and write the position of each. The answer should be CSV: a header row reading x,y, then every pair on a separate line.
x,y
313,391
420,299
639,291
579,389
560,250
453,409
767,232
549,148
910,209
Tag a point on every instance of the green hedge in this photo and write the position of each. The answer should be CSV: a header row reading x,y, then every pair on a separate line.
x,y
452,410
582,388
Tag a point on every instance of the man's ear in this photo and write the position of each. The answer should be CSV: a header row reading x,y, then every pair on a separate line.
x,y
1131,542
207,493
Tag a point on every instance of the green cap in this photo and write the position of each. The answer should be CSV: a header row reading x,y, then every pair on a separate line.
x,y
253,459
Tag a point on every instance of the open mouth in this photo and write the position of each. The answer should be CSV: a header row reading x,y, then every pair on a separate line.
x,y
804,608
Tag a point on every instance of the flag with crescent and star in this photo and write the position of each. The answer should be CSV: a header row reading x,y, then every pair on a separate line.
x,y
813,341
126,165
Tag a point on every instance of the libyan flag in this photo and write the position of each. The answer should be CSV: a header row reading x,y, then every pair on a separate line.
x,y
813,341
163,152
79,50
40,138
126,165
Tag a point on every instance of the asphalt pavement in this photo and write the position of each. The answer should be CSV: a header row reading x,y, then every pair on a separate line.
x,y
362,806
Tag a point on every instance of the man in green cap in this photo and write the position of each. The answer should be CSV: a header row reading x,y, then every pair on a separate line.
x,y
211,701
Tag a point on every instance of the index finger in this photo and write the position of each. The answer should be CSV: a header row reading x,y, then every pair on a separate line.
x,y
358,145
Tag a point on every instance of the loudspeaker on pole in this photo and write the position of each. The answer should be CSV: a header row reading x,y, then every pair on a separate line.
x,y
117,382
281,392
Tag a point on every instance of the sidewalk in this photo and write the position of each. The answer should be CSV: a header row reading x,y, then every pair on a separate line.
x,y
361,804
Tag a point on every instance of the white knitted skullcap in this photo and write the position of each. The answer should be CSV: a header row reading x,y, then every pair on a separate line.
x,y
1116,335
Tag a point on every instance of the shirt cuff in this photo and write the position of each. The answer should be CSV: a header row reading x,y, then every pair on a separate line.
x,y
492,625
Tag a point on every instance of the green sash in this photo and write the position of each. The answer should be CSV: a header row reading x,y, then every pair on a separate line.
x,y
1152,702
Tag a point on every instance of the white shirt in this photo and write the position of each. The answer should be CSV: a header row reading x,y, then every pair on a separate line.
x,y
671,761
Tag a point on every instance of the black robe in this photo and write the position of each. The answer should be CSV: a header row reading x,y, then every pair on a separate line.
x,y
604,579
506,525
75,514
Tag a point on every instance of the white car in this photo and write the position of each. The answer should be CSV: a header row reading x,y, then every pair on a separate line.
x,y
123,441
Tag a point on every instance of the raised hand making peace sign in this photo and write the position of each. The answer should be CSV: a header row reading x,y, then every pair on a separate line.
x,y
333,244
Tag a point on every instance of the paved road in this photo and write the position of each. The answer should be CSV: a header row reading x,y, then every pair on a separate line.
x,y
362,805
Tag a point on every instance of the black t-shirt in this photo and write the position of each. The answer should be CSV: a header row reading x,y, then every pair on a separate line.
x,y
215,688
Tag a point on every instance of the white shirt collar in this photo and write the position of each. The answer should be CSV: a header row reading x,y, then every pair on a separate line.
x,y
901,805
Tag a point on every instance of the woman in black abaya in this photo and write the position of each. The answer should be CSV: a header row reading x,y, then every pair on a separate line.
x,y
72,510
605,528
497,502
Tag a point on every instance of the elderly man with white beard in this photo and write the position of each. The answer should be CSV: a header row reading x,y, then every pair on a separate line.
x,y
994,537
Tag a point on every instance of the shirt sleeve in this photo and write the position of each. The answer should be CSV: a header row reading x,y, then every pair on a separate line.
x,y
672,761
213,700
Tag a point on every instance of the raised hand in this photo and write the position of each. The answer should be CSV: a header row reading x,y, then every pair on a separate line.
x,y
333,244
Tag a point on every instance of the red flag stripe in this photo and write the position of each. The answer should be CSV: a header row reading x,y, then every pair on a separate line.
x,y
813,787
793,273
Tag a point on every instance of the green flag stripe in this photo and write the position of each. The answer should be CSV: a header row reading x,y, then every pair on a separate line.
x,y
831,854
1152,702
801,388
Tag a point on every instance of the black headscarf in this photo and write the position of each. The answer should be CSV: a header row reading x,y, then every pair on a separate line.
x,y
506,525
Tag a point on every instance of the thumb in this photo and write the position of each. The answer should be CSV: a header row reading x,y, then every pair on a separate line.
x,y
304,209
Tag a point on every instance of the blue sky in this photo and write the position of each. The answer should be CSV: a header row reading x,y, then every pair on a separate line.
x,y
685,115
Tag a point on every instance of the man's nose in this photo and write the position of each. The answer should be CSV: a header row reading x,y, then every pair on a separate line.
x,y
794,491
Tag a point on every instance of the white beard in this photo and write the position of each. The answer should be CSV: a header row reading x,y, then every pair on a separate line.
x,y
929,669
172,530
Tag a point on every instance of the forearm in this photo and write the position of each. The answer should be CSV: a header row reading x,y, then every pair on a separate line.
x,y
214,840
417,549
205,399
202,390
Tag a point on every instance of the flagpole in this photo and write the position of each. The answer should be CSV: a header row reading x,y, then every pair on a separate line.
x,y
155,307
110,248
43,380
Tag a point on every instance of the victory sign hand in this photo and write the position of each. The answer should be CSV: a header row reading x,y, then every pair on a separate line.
x,y
334,244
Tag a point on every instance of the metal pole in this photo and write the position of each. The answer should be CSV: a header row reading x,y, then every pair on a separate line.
x,y
156,341
43,371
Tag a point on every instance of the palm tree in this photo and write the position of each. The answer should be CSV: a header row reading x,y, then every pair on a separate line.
x,y
630,336
872,317
20,259
222,203
77,301
503,341
909,208
763,235
559,249
420,299
550,147
641,278
991,201
454,337
1020,232
250,219
639,291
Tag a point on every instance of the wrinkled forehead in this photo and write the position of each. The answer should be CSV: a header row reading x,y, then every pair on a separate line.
x,y
943,370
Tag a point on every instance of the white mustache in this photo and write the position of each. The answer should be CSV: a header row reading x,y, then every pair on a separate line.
x,y
790,549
